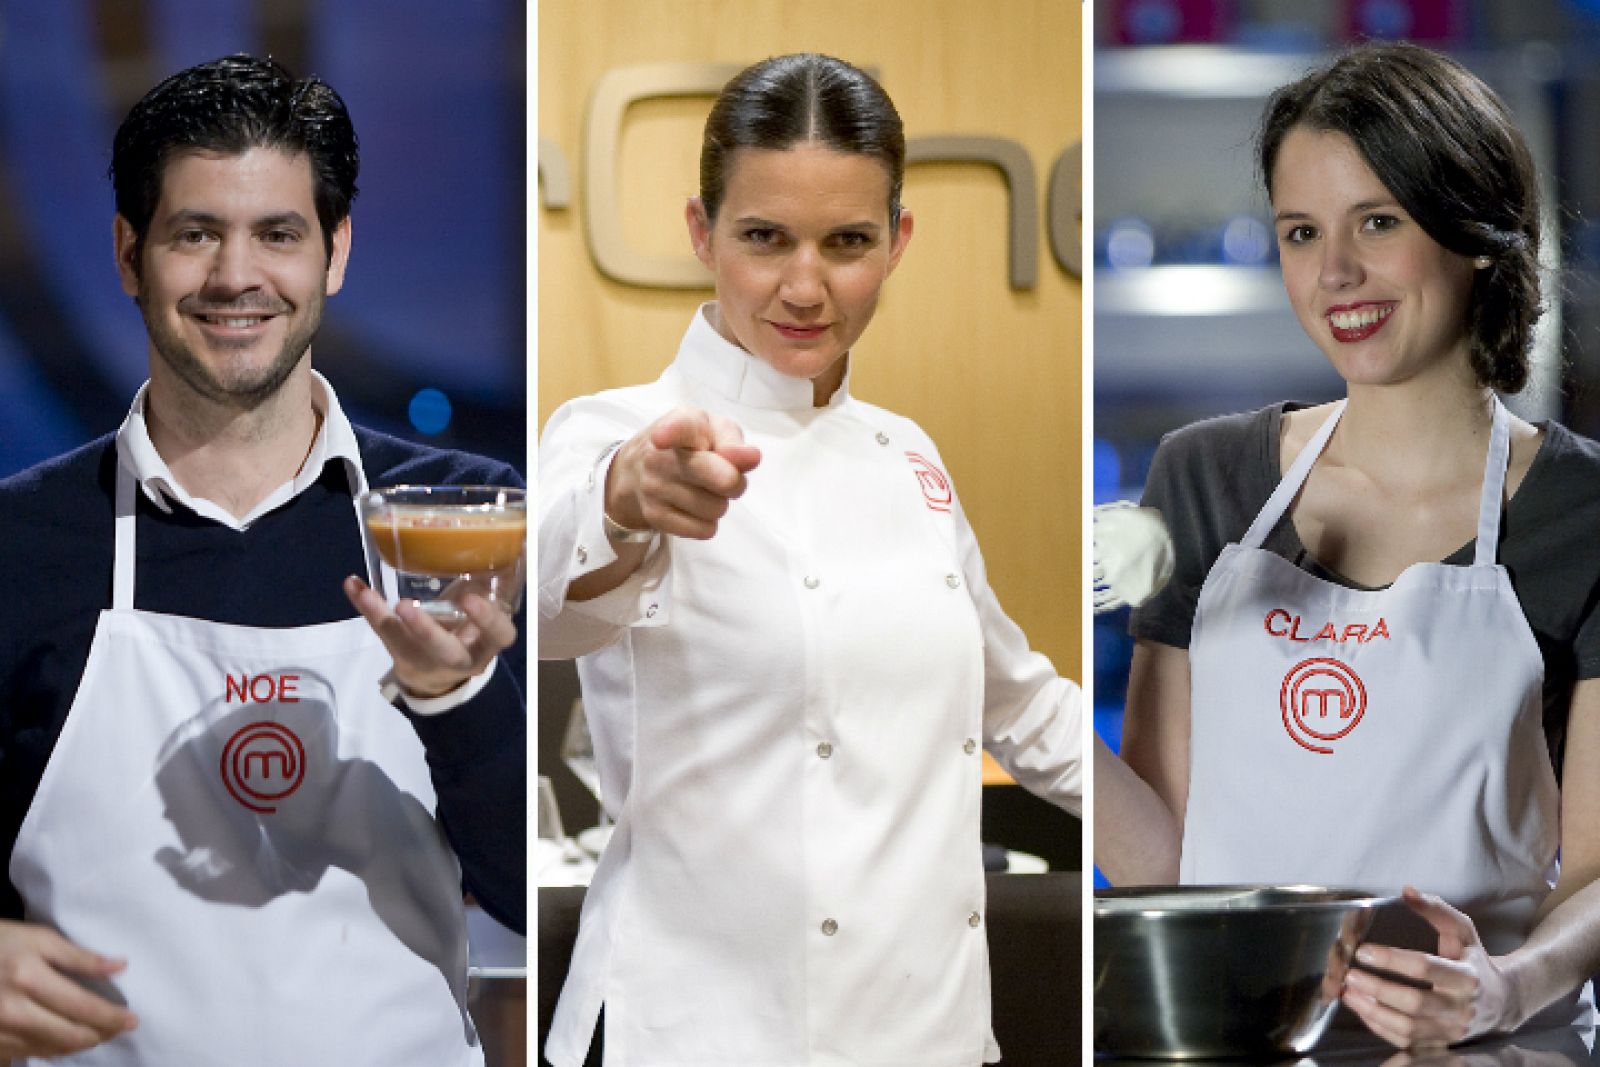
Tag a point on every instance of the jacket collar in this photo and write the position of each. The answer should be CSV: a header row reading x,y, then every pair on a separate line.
x,y
711,360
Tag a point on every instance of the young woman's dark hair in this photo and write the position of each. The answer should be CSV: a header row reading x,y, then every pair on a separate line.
x,y
1444,145
232,105
788,100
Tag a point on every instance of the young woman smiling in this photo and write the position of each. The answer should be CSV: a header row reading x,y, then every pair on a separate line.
x,y
1459,751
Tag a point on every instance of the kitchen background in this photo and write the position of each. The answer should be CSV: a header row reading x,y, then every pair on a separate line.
x,y
1190,319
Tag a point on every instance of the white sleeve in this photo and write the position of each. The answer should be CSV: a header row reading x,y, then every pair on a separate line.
x,y
573,463
1032,717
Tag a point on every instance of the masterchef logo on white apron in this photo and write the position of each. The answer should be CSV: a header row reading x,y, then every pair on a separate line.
x,y
1322,699
262,762
253,786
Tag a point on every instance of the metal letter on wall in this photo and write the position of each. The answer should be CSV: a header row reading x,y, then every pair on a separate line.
x,y
554,180
1066,209
1013,161
614,93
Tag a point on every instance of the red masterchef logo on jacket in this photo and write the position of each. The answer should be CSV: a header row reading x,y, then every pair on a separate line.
x,y
935,486
1279,623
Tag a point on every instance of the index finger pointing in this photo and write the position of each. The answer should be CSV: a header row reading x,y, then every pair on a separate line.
x,y
686,428
715,473
728,442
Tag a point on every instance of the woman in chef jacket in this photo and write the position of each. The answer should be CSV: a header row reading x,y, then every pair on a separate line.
x,y
1376,663
790,656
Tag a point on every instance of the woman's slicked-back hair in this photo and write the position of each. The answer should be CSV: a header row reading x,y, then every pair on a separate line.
x,y
789,100
1445,147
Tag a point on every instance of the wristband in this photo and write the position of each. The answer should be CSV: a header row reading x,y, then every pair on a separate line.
x,y
624,535
615,531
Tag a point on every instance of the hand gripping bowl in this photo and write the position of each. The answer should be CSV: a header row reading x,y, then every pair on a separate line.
x,y
1196,972
436,543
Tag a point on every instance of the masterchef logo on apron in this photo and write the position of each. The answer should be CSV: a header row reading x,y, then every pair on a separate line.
x,y
262,762
1322,699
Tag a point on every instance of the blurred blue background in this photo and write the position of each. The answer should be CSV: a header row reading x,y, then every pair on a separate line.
x,y
425,340
1189,312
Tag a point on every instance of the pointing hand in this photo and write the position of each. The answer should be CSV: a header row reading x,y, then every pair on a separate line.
x,y
679,474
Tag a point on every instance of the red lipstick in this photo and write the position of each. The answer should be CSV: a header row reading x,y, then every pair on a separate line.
x,y
1357,322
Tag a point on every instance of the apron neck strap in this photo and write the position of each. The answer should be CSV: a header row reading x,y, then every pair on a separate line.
x,y
1289,485
1489,501
123,548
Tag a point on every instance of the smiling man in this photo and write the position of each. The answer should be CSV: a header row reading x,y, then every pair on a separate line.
x,y
240,796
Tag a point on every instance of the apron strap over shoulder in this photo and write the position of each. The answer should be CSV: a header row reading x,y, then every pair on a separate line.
x,y
1491,502
122,555
1290,484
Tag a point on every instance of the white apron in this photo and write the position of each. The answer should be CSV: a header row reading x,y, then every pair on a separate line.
x,y
238,813
1372,738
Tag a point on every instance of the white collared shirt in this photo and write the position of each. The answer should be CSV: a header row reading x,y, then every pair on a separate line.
x,y
787,721
335,440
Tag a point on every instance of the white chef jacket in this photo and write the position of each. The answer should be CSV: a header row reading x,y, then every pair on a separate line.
x,y
786,721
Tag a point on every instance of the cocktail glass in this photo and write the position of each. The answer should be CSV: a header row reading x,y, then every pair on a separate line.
x,y
434,544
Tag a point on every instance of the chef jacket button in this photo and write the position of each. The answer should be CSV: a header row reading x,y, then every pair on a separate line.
x,y
974,920
824,749
812,581
829,927
952,581
650,612
883,438
970,747
583,554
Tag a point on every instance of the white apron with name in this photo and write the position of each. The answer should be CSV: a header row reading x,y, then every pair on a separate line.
x,y
1372,738
238,813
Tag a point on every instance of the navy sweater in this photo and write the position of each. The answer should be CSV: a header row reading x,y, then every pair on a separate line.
x,y
56,523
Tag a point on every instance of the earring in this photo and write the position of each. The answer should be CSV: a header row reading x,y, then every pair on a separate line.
x,y
1483,262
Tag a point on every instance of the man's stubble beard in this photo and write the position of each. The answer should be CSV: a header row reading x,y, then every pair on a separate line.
x,y
246,393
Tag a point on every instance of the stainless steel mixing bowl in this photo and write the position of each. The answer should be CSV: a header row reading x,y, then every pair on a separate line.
x,y
1208,971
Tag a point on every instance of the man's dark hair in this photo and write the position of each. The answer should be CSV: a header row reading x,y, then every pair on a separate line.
x,y
1444,145
788,100
230,106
